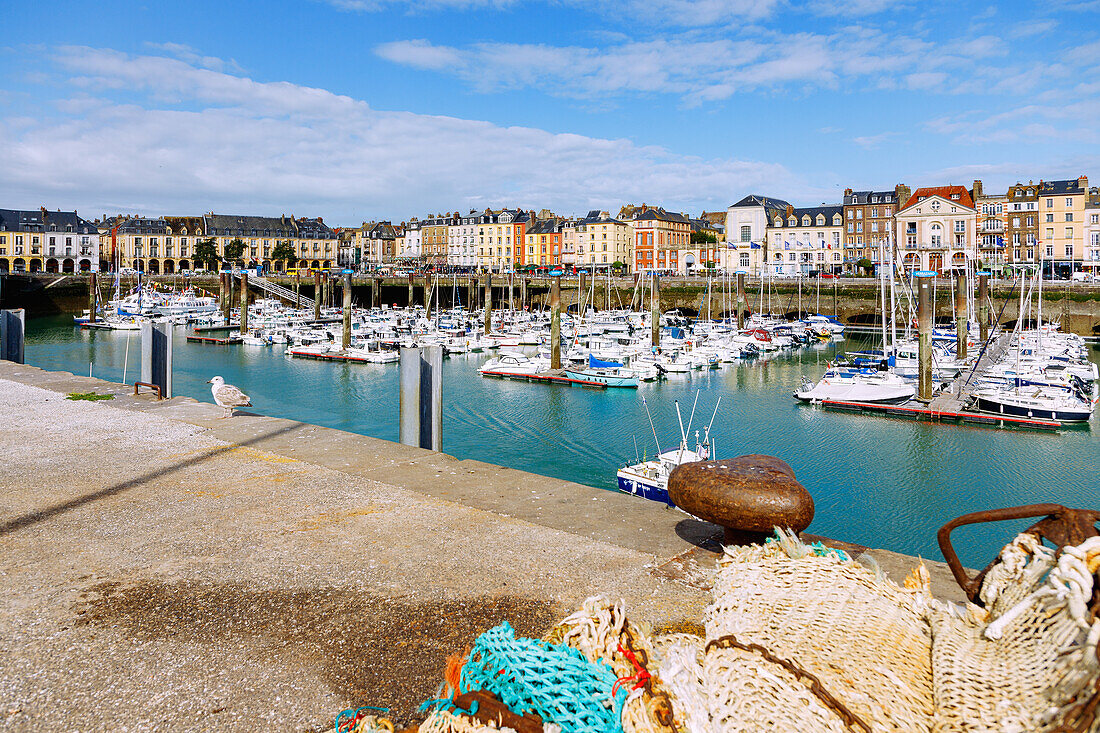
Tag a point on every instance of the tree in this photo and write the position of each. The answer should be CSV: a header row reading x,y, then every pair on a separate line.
x,y
283,251
865,264
206,252
703,238
234,249
618,266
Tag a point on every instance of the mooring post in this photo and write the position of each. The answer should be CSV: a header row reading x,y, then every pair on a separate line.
x,y
924,333
93,297
983,306
962,316
297,289
471,293
156,355
421,397
582,286
221,291
428,294
346,340
523,292
411,289
511,298
12,330
377,292
316,296
555,322
244,302
740,300
836,308
655,310
227,304
488,303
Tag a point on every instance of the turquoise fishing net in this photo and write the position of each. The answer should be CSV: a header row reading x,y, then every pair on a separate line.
x,y
554,681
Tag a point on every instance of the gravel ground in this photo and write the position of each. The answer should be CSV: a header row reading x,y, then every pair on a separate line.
x,y
152,577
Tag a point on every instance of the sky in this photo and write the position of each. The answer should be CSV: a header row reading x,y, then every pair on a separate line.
x,y
358,110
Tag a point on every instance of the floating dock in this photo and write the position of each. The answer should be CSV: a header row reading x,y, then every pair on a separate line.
x,y
917,411
336,356
231,339
553,376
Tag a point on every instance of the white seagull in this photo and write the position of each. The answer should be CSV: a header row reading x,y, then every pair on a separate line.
x,y
228,396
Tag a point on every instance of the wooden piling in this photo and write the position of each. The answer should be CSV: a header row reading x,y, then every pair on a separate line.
x,y
93,297
346,340
740,300
924,333
655,310
488,303
316,296
555,323
962,316
983,306
244,302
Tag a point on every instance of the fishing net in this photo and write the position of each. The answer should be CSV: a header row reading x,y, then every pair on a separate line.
x,y
442,721
554,681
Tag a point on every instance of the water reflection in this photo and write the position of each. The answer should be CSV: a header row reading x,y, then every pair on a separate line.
x,y
877,481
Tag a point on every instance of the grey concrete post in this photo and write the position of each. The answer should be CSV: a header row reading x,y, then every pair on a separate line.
x,y
555,323
93,297
316,296
740,300
924,333
12,329
156,356
983,306
655,310
488,303
962,317
244,303
345,341
421,397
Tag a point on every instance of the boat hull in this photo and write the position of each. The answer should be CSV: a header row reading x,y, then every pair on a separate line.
x,y
986,404
637,486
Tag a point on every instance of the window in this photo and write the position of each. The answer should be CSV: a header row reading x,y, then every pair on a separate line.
x,y
1050,218
937,235
1050,251
1094,219
746,233
1050,203
1069,201
1069,232
960,226
1069,250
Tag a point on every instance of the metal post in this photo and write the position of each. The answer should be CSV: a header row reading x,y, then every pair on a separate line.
x,y
962,317
924,333
93,297
655,310
12,329
346,340
317,296
983,306
740,300
489,303
555,323
244,302
421,397
156,356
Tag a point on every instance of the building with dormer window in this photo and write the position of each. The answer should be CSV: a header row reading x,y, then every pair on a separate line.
x,y
936,230
747,233
1022,223
51,241
805,240
1061,224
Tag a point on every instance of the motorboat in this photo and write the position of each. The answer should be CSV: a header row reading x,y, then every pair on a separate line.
x,y
1035,402
514,364
863,385
608,374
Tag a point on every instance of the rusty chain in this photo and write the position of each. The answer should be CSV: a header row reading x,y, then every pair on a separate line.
x,y
853,721
659,703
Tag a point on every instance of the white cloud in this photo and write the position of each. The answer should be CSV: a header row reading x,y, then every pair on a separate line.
x,y
870,142
682,13
270,147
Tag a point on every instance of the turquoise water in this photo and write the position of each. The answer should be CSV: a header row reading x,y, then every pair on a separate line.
x,y
876,481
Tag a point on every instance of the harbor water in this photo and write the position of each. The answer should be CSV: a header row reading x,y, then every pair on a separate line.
x,y
876,481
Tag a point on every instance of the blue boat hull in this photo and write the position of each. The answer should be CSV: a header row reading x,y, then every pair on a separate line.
x,y
986,405
635,487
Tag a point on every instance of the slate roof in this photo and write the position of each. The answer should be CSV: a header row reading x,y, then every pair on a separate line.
x,y
755,199
860,198
658,214
313,228
42,220
230,225
1055,188
181,224
827,211
545,226
598,217
943,192
142,225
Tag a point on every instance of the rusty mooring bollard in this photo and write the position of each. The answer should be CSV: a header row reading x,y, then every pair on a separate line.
x,y
749,496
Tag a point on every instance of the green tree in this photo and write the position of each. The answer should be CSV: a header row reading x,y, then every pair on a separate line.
x,y
865,265
206,253
283,251
234,249
703,238
618,266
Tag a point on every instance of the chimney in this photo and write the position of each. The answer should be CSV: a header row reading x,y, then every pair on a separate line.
x,y
902,194
977,190
44,212
790,210
1083,182
848,192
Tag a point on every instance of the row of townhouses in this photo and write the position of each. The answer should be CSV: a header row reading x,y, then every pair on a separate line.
x,y
931,228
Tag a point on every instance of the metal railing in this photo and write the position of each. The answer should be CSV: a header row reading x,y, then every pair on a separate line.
x,y
277,290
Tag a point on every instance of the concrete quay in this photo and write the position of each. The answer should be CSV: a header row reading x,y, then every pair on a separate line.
x,y
161,567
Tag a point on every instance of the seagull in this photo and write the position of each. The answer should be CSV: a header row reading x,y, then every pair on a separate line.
x,y
228,396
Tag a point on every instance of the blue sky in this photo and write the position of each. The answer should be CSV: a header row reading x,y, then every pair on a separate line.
x,y
363,109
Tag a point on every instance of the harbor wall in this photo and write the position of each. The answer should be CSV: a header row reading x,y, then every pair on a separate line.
x,y
854,301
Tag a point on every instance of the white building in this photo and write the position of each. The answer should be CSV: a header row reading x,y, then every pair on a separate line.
x,y
461,242
805,240
936,229
746,232
410,245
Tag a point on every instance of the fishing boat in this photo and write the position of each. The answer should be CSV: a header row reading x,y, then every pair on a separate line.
x,y
648,478
608,373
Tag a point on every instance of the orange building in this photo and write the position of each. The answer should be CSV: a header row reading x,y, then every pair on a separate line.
x,y
659,235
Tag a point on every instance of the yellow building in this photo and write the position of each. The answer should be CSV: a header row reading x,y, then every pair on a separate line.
x,y
602,241
1062,223
52,241
500,239
314,243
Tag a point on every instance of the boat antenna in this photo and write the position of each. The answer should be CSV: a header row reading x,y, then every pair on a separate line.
x,y
683,435
647,412
714,415
637,457
692,418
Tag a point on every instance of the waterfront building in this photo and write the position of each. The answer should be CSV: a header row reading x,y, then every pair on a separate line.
x,y
659,237
869,220
183,233
377,241
991,210
569,242
704,254
314,243
52,241
805,240
500,237
542,242
1022,223
1091,260
410,243
461,240
433,240
603,240
1061,224
936,229
347,254
139,243
746,233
